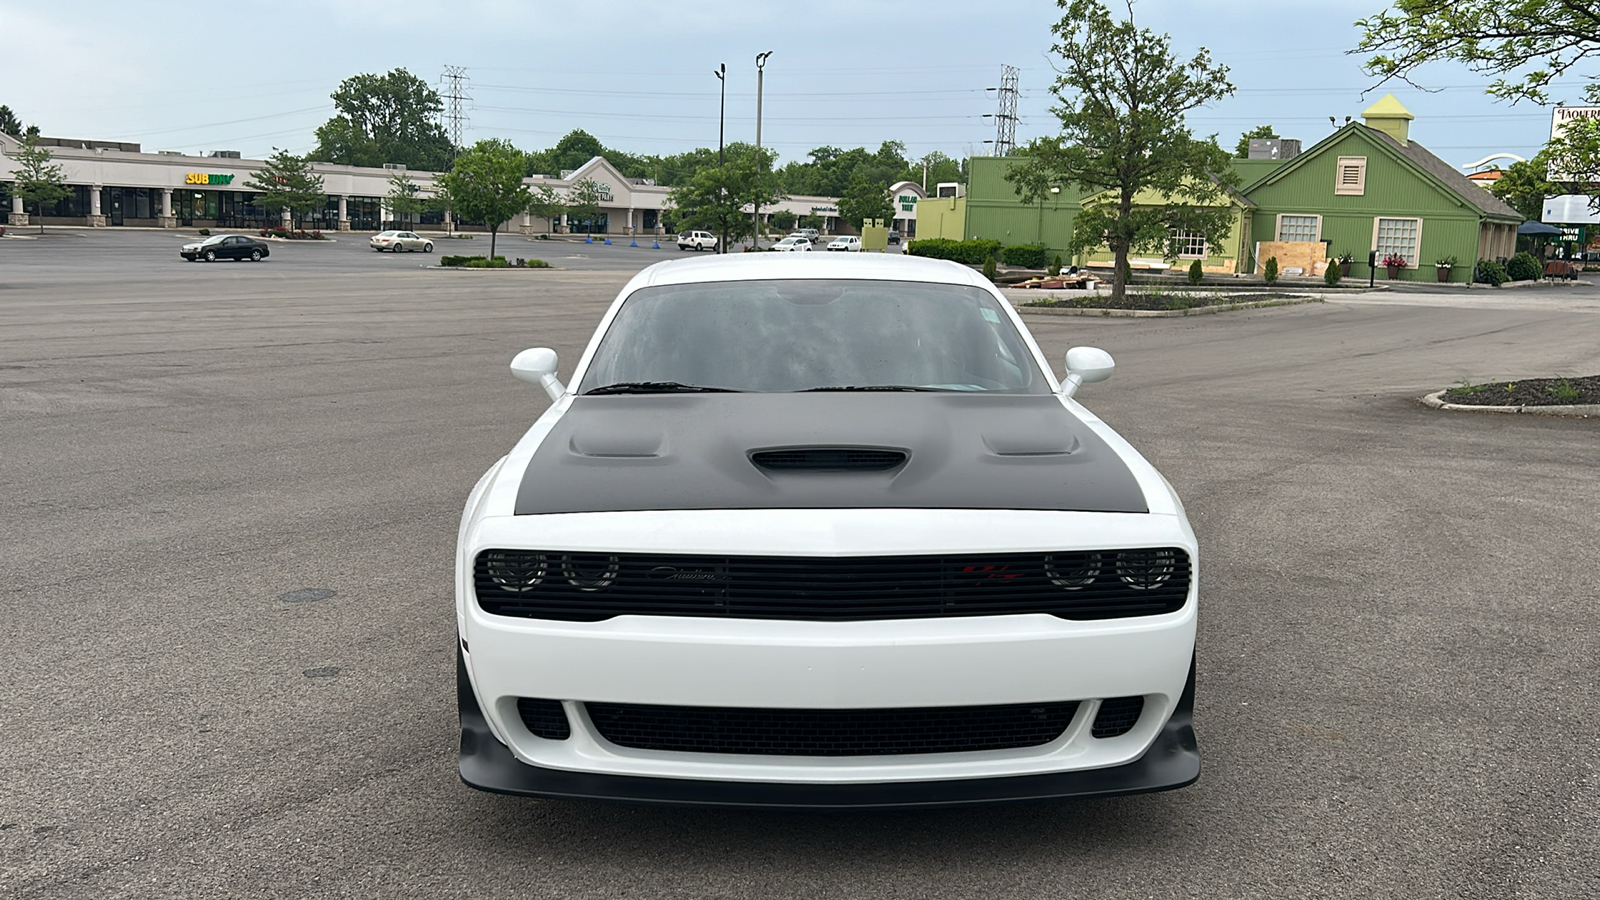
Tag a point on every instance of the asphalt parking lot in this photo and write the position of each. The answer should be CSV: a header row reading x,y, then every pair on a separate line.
x,y
231,494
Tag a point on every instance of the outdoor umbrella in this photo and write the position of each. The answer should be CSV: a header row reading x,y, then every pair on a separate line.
x,y
1532,227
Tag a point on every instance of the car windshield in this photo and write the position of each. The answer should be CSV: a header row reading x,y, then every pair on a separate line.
x,y
803,335
386,234
214,240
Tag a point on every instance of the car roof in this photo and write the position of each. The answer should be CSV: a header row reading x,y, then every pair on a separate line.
x,y
765,266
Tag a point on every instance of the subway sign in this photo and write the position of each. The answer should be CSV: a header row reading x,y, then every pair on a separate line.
x,y
203,178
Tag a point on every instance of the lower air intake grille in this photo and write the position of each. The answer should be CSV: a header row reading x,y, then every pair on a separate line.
x,y
830,732
1117,716
545,718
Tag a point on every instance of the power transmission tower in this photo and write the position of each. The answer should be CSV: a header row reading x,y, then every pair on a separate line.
x,y
1005,119
453,89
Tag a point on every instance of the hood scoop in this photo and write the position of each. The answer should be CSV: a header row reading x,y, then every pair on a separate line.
x,y
829,459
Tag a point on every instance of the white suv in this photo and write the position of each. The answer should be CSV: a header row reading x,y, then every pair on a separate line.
x,y
697,240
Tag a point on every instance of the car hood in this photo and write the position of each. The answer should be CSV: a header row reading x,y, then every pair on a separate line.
x,y
615,453
195,246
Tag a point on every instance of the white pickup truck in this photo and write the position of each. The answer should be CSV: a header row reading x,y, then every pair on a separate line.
x,y
697,240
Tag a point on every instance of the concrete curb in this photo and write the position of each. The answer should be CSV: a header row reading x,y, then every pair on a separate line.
x,y
500,269
1435,400
1159,313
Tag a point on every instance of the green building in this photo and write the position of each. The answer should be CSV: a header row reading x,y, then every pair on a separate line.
x,y
1367,188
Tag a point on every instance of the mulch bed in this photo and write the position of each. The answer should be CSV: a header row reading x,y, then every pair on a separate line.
x,y
1528,392
1156,301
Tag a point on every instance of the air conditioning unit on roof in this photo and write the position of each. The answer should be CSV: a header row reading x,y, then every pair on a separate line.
x,y
395,167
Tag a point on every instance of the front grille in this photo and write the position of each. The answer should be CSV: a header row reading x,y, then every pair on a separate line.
x,y
830,732
588,587
1117,716
833,459
545,718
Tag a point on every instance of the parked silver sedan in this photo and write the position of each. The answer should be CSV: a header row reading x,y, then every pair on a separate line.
x,y
395,241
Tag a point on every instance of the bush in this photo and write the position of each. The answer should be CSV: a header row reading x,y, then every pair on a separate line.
x,y
1491,272
499,262
206,232
1334,273
988,268
1269,272
1523,267
973,252
1025,256
1197,272
1055,267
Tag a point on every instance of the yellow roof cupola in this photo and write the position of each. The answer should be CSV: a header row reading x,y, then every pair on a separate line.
x,y
1391,118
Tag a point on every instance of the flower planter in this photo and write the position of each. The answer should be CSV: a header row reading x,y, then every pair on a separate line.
x,y
1394,272
1344,270
1443,273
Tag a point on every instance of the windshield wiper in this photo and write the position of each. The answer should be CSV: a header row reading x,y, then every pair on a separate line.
x,y
874,387
658,387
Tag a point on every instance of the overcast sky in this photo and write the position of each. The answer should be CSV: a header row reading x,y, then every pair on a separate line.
x,y
254,76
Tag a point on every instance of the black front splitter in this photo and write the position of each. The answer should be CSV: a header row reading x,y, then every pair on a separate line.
x,y
1173,761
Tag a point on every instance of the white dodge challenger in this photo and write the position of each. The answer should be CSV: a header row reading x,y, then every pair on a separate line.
x,y
822,533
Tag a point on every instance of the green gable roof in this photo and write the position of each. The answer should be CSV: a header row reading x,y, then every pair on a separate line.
x,y
1436,171
1251,171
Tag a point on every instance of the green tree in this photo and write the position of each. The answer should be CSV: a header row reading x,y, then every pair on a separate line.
x,y
783,220
716,198
936,168
1525,44
35,178
1122,97
287,182
486,183
405,199
545,202
381,119
1524,185
865,198
11,125
583,203
1241,150
578,147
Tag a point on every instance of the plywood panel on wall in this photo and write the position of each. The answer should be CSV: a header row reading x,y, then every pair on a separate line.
x,y
1307,255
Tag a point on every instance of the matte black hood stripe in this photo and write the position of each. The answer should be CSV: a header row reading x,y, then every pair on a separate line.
x,y
965,451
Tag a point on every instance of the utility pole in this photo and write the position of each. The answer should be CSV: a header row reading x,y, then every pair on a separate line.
x,y
1005,118
761,62
454,84
721,71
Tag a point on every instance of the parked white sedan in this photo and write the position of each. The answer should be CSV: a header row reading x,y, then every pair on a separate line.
x,y
846,242
822,534
396,241
793,244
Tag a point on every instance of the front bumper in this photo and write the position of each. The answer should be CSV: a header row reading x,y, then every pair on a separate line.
x,y
1171,761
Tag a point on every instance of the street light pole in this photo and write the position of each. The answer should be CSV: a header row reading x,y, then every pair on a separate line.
x,y
761,72
721,71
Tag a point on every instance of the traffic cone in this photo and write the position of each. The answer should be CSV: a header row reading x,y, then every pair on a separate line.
x,y
655,245
633,243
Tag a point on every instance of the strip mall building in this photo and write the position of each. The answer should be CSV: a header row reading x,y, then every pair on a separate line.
x,y
112,184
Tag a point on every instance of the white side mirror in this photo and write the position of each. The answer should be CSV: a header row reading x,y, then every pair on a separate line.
x,y
1086,365
538,366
